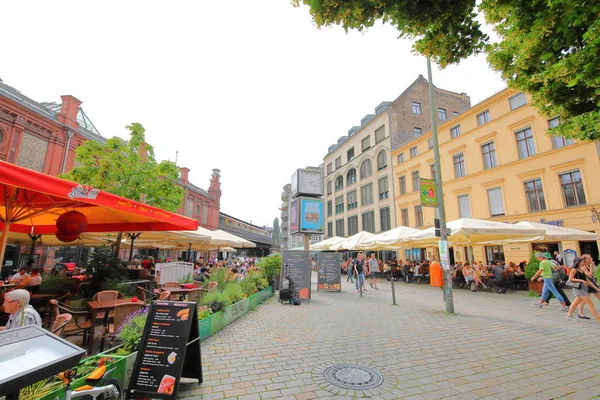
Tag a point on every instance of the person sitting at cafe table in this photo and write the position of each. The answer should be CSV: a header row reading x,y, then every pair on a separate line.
x,y
16,303
34,279
20,276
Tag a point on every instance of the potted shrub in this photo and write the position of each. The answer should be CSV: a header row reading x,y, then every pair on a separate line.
x,y
530,269
271,269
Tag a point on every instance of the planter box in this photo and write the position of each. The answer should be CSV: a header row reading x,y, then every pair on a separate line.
x,y
536,287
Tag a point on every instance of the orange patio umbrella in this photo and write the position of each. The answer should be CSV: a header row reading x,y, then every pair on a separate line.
x,y
31,202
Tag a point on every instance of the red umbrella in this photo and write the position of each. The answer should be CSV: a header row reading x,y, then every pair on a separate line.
x,y
31,202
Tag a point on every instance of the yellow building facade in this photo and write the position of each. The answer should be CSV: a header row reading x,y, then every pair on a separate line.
x,y
498,163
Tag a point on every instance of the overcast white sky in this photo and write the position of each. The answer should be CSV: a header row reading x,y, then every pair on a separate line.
x,y
249,87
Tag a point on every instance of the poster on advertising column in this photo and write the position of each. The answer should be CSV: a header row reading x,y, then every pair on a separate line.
x,y
296,264
329,272
311,215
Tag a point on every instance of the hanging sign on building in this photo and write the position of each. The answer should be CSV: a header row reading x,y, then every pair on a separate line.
x,y
428,193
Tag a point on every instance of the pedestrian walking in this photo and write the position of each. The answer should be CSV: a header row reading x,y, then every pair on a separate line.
x,y
373,271
350,269
578,276
359,272
559,276
588,267
546,275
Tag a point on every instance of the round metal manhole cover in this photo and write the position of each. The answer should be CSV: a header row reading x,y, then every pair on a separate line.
x,y
352,376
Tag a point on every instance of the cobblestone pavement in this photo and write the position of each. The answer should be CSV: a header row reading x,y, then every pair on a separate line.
x,y
494,347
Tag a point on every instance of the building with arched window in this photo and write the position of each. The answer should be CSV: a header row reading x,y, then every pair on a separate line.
x,y
363,158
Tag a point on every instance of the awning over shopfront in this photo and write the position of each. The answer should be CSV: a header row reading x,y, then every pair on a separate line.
x,y
325,245
389,240
352,242
31,202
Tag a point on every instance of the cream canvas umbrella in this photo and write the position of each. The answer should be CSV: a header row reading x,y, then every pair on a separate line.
x,y
559,233
325,245
351,242
389,240
470,231
236,241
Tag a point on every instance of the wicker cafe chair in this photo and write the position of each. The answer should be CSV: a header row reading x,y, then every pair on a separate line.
x,y
212,286
168,285
108,295
195,295
79,323
145,295
120,312
61,321
164,295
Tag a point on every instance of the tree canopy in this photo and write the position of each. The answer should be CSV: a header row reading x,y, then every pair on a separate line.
x,y
548,48
128,168
276,231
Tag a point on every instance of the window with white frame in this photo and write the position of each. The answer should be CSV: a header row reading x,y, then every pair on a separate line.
x,y
483,118
400,158
366,194
330,231
338,162
464,206
572,188
459,165
329,208
352,202
525,143
351,176
380,134
535,195
557,140
455,131
417,132
413,152
381,160
329,187
442,114
365,169
495,201
416,108
383,188
368,221
350,154
366,143
488,152
517,101
329,168
430,143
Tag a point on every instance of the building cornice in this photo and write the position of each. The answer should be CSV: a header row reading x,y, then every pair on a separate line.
x,y
416,166
567,164
529,174
457,149
495,182
525,121
462,190
486,138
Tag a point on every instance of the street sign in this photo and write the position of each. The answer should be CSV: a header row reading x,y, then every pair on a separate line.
x,y
446,232
428,193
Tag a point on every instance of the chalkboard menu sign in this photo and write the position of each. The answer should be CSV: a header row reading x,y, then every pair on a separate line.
x,y
296,264
165,354
329,273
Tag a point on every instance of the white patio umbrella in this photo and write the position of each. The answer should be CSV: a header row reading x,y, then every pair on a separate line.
x,y
351,242
236,241
325,245
389,240
470,231
559,233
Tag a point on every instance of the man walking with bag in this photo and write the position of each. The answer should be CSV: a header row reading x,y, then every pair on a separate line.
x,y
373,271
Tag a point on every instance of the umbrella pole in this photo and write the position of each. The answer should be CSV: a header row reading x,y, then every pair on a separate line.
x,y
33,238
132,237
3,241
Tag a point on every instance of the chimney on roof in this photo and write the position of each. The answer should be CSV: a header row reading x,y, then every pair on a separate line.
x,y
68,111
184,175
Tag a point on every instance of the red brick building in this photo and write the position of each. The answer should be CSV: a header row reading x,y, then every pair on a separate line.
x,y
44,136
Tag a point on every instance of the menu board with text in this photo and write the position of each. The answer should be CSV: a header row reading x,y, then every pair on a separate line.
x,y
164,356
296,264
329,273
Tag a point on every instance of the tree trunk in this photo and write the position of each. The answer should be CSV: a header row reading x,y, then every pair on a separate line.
x,y
118,247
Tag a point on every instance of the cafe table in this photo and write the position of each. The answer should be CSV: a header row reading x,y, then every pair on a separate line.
x,y
100,306
181,291
6,286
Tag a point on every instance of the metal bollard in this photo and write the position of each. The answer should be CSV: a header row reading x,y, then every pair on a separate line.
x,y
393,292
360,286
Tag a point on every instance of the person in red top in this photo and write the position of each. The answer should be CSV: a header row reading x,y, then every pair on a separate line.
x,y
145,263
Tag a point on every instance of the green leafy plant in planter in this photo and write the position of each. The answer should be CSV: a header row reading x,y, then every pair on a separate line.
x,y
234,292
215,300
188,278
219,275
270,266
532,266
204,312
130,333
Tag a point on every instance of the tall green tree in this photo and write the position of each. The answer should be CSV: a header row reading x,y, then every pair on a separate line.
x,y
128,168
548,48
276,231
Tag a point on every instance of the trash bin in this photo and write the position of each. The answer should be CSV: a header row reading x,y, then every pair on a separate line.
x,y
436,274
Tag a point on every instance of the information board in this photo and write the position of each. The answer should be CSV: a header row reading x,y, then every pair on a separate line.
x,y
296,264
165,356
329,272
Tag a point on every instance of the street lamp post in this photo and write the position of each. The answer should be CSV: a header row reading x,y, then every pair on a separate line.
x,y
440,210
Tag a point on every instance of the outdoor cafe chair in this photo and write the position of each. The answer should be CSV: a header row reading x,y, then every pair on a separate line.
x,y
195,295
212,286
173,284
108,295
61,321
164,295
120,313
80,325
145,295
